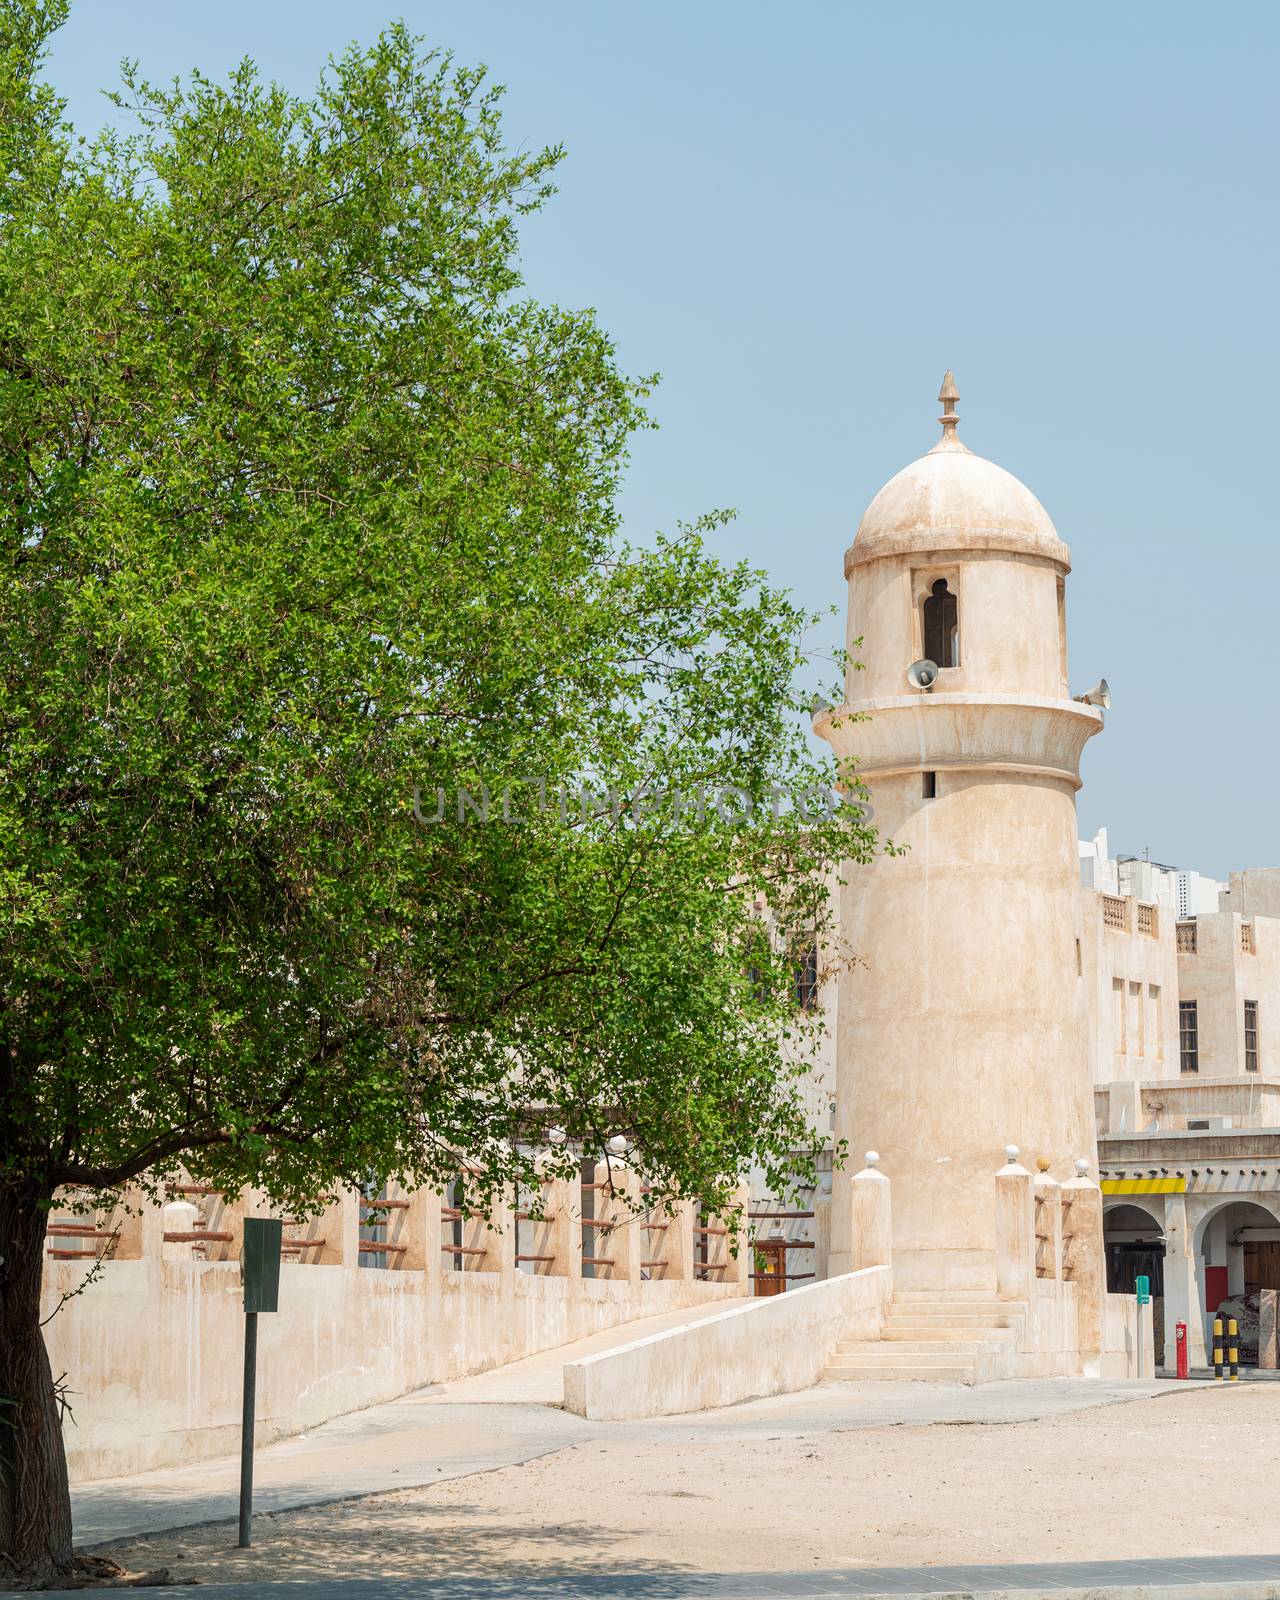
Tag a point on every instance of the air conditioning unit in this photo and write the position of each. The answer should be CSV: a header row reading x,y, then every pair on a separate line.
x,y
1207,1124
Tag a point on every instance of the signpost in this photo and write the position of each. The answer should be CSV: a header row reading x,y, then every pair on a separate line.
x,y
260,1274
1142,1289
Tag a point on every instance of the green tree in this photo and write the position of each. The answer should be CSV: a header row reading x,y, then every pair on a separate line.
x,y
306,509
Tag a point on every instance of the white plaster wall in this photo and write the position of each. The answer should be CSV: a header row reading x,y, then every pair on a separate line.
x,y
1121,1357
769,1346
1251,1101
153,1350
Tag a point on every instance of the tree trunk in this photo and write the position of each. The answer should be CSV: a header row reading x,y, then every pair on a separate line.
x,y
35,1506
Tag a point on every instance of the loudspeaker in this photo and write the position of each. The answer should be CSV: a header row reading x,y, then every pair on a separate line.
x,y
1099,695
922,674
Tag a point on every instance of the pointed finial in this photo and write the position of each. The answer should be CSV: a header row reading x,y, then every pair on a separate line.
x,y
948,395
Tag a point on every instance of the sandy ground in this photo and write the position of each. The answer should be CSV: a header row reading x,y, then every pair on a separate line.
x,y
1184,1474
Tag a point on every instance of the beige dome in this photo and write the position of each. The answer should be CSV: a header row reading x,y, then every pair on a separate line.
x,y
951,499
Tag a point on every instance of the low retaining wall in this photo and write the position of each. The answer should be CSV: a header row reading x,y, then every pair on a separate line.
x,y
153,1350
767,1346
378,1296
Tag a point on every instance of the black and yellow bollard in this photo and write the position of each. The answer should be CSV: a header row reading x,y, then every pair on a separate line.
x,y
1217,1348
1233,1351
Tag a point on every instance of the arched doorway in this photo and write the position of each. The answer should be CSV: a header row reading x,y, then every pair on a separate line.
x,y
1133,1243
1237,1248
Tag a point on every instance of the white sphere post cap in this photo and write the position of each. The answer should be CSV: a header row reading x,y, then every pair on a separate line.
x,y
1082,1165
872,1158
556,1135
1011,1152
618,1145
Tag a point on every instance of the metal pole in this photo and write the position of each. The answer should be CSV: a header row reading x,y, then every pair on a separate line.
x,y
246,1428
1140,1361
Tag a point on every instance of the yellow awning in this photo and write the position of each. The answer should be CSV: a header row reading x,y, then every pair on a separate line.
x,y
1143,1186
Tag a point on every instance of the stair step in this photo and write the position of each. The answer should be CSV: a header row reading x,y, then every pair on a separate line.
x,y
900,1352
984,1295
894,1333
934,1374
952,1319
943,1303
995,1315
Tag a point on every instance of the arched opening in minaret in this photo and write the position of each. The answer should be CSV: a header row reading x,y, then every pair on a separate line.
x,y
942,626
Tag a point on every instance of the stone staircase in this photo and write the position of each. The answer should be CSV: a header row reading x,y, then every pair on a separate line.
x,y
954,1337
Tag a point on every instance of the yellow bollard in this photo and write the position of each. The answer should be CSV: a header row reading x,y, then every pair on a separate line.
x,y
1217,1348
1233,1355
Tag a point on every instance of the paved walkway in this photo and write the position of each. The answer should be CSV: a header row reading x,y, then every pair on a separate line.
x,y
1201,1578
505,1418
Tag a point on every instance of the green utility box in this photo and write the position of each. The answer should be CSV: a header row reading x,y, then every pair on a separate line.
x,y
1142,1287
260,1263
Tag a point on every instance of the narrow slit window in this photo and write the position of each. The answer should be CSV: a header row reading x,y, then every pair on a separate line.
x,y
1251,1036
942,626
929,785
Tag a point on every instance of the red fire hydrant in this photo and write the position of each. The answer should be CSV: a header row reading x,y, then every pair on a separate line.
x,y
1180,1342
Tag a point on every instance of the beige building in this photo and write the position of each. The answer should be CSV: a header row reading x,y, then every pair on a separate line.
x,y
1186,1068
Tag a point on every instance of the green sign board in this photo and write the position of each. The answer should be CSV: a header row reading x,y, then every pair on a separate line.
x,y
1142,1288
260,1263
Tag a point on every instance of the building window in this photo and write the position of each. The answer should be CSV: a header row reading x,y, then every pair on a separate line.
x,y
1188,1036
1117,996
806,981
942,626
1251,1036
1156,1031
1079,961
929,785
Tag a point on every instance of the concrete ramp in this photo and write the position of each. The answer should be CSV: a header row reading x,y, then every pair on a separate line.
x,y
539,1379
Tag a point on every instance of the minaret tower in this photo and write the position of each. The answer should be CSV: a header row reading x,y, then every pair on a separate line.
x,y
961,1022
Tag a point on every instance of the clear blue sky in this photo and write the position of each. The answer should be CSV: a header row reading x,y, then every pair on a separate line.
x,y
800,215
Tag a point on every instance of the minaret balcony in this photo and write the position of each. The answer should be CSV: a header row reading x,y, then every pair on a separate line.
x,y
962,732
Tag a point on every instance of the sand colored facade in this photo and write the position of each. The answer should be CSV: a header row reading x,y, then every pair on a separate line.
x,y
1186,1070
1129,969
